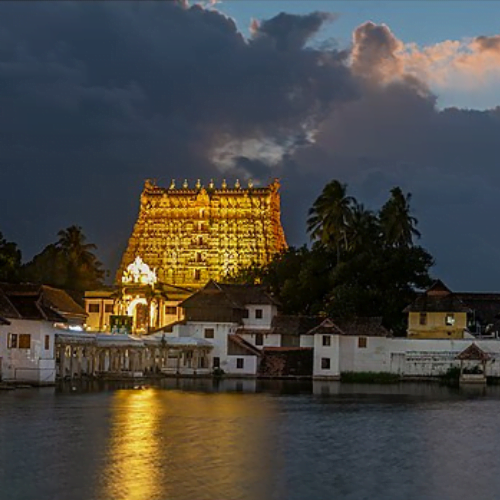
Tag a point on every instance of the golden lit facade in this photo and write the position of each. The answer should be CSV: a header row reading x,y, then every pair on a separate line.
x,y
191,235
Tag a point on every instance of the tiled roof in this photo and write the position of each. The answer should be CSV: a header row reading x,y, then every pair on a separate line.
x,y
437,303
230,296
365,327
473,352
7,310
37,302
62,302
326,327
239,341
294,325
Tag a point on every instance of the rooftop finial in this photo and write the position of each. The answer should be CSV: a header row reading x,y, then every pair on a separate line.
x,y
250,183
237,184
211,184
172,184
198,184
224,184
185,184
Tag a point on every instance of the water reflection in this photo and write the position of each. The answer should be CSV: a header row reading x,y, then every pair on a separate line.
x,y
189,446
133,446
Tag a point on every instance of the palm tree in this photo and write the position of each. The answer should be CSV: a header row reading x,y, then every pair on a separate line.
x,y
81,261
329,216
363,232
398,225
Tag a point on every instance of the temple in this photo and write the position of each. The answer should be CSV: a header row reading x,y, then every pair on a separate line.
x,y
189,236
183,238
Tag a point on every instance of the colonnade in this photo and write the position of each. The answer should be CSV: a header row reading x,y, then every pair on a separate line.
x,y
81,357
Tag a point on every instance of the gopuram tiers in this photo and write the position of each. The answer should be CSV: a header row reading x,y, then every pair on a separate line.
x,y
191,235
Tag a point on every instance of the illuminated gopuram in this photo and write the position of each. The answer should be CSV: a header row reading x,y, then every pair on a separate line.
x,y
190,235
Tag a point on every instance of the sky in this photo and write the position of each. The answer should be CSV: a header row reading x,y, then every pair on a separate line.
x,y
96,97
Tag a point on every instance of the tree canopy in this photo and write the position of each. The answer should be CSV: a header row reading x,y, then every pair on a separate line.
x,y
10,260
361,262
69,263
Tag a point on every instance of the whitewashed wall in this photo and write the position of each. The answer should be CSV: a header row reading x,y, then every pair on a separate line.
x,y
37,364
330,352
268,312
250,364
220,344
408,357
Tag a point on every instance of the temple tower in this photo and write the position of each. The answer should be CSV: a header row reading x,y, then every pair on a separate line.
x,y
191,235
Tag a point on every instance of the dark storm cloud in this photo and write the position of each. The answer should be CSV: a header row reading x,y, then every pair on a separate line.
x,y
99,96
96,97
290,32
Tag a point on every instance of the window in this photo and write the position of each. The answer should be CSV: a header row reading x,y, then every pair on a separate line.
x,y
325,363
172,310
24,341
423,318
327,340
197,275
12,341
216,362
245,313
108,308
259,339
47,342
362,342
209,333
450,319
258,313
240,363
198,257
94,308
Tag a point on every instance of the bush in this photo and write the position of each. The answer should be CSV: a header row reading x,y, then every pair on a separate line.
x,y
369,377
218,372
452,374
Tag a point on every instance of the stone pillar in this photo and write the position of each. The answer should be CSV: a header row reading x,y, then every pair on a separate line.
x,y
62,360
195,360
71,360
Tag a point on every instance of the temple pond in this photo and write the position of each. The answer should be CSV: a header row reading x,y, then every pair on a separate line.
x,y
196,440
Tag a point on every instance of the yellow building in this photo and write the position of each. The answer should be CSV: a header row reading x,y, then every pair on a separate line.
x,y
437,313
189,236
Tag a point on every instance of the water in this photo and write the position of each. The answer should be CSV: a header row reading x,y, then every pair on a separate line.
x,y
191,440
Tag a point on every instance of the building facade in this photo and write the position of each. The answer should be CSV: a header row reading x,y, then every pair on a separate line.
x,y
189,236
30,316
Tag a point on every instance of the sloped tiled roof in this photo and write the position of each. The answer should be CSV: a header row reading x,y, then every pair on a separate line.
x,y
438,298
241,342
62,302
473,352
326,327
284,324
231,296
7,310
364,327
37,302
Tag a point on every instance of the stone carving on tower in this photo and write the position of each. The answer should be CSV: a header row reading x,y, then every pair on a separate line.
x,y
190,235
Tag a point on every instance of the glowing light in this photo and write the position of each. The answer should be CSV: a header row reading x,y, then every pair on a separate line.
x,y
140,273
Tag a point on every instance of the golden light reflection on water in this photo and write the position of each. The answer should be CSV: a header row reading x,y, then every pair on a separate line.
x,y
174,445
